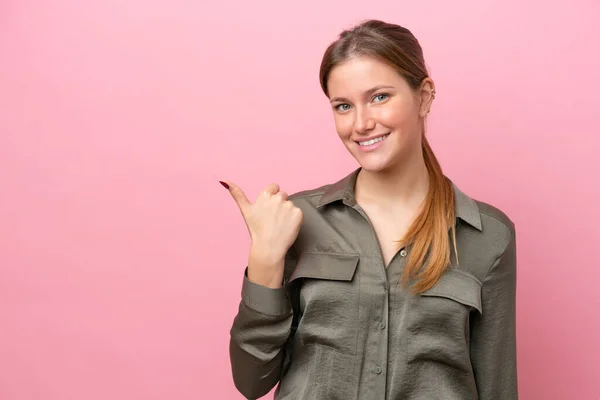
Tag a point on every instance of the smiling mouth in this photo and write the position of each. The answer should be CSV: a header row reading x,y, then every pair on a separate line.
x,y
373,141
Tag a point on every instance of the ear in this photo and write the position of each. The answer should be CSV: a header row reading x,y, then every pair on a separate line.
x,y
427,94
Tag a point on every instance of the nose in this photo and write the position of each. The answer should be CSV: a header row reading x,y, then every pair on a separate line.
x,y
363,122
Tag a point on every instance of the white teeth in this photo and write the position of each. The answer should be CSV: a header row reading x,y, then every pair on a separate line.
x,y
373,141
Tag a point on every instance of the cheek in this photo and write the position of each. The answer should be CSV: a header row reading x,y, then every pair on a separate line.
x,y
397,118
402,113
343,126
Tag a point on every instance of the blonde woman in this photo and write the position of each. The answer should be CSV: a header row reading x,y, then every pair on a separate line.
x,y
390,283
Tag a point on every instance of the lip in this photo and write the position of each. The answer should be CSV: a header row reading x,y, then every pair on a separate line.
x,y
373,146
371,138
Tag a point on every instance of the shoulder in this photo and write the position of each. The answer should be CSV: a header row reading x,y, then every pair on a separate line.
x,y
309,200
486,232
494,218
325,193
309,195
498,236
491,221
499,241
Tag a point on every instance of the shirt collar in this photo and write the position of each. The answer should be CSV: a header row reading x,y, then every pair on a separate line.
x,y
343,190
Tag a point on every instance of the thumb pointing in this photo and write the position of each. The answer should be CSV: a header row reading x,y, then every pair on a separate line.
x,y
238,196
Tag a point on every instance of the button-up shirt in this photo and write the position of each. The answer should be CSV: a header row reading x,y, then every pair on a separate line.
x,y
342,326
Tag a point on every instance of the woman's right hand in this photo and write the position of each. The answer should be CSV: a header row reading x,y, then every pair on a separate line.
x,y
273,222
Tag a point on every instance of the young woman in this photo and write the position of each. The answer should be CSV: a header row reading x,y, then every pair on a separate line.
x,y
390,283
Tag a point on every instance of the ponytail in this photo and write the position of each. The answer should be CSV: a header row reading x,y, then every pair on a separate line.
x,y
428,234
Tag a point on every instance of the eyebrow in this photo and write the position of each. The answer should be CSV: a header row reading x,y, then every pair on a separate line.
x,y
366,93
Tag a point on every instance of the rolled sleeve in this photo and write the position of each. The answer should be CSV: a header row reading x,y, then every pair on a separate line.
x,y
265,300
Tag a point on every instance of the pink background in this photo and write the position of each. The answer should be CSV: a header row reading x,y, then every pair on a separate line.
x,y
121,257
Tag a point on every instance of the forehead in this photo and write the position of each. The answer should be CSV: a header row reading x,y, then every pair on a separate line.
x,y
361,74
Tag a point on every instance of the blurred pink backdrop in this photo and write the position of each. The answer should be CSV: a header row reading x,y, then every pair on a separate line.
x,y
121,257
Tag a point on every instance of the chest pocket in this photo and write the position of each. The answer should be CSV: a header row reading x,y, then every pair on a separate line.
x,y
459,286
438,320
325,295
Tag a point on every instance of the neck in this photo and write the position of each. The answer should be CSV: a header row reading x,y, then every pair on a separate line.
x,y
403,185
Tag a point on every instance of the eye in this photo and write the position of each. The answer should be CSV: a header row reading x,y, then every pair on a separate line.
x,y
380,97
342,107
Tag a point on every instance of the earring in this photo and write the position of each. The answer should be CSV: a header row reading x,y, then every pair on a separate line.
x,y
433,94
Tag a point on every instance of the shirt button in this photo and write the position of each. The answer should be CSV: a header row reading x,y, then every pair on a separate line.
x,y
378,370
403,253
382,325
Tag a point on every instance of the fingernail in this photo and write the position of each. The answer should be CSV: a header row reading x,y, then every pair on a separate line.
x,y
226,186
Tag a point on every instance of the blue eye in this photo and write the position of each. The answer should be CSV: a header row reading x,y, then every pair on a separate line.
x,y
339,107
381,96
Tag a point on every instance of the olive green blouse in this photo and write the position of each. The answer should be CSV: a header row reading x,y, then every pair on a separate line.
x,y
343,327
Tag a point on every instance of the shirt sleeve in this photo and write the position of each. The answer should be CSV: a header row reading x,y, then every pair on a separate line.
x,y
493,334
258,335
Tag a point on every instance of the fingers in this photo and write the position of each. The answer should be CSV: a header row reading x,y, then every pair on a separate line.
x,y
284,196
239,197
272,189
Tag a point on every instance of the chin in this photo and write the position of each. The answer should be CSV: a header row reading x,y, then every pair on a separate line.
x,y
374,165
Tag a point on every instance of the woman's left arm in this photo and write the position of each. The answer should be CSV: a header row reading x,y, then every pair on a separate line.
x,y
493,332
